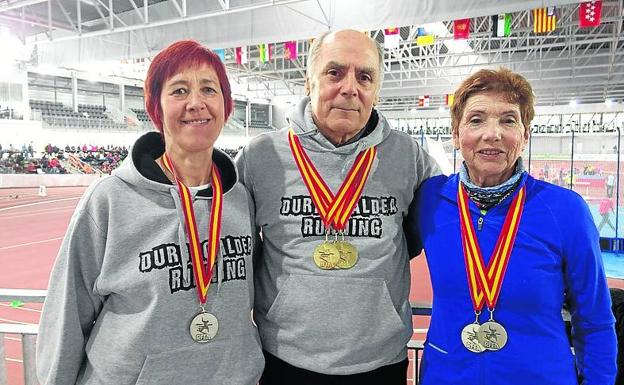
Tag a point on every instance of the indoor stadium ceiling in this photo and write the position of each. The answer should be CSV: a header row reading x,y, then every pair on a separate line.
x,y
586,64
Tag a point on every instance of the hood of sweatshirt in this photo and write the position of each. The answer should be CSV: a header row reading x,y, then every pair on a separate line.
x,y
376,130
141,169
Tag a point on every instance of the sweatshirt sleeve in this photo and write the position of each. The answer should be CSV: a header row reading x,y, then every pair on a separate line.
x,y
245,178
244,175
593,332
71,304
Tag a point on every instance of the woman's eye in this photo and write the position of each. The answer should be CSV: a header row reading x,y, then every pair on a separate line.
x,y
475,120
209,90
179,91
366,78
332,72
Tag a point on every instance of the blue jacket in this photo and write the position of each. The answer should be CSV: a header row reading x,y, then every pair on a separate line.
x,y
556,252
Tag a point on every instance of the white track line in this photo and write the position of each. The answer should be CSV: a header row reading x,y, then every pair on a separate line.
x,y
37,203
14,360
15,322
30,243
20,308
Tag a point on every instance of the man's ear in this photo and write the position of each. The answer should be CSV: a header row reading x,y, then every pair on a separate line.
x,y
306,86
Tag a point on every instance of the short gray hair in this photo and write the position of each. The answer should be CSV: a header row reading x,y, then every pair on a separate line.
x,y
315,50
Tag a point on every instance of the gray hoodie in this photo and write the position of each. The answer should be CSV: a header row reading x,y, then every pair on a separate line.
x,y
122,294
333,321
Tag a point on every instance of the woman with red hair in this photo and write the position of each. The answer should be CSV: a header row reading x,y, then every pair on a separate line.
x,y
154,282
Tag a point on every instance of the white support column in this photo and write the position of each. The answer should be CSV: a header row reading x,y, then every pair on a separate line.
x,y
122,99
247,117
3,370
25,105
74,83
28,358
271,115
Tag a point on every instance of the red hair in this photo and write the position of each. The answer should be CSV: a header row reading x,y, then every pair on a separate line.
x,y
173,59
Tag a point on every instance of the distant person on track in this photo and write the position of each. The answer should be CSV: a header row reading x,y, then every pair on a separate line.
x,y
154,281
605,209
504,250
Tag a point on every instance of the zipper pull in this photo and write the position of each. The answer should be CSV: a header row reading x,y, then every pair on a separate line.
x,y
480,223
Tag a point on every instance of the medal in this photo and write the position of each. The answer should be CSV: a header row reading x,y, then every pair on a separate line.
x,y
485,282
326,256
203,327
492,335
348,254
469,338
334,210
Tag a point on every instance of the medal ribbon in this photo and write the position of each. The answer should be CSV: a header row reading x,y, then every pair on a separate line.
x,y
202,271
485,282
334,210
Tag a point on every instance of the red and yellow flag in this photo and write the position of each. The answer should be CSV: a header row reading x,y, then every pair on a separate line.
x,y
544,20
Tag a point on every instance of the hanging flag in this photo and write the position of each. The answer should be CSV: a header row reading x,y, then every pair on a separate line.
x,y
544,20
461,29
221,53
392,38
266,53
423,101
425,40
420,31
290,50
449,99
241,55
501,25
590,13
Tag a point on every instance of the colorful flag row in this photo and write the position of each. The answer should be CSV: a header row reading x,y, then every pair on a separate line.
x,y
544,21
425,100
392,38
265,52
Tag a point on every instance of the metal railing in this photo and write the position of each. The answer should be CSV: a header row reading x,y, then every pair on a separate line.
x,y
28,335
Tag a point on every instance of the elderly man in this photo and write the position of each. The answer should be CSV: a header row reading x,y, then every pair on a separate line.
x,y
331,194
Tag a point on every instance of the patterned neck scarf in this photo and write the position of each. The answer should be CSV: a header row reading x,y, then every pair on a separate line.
x,y
487,197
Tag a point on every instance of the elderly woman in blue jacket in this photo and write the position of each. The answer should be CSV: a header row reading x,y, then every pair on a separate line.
x,y
504,251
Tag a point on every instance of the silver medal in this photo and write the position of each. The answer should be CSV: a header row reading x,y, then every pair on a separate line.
x,y
492,335
204,327
470,339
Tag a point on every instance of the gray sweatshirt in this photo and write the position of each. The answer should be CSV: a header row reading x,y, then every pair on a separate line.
x,y
122,294
333,321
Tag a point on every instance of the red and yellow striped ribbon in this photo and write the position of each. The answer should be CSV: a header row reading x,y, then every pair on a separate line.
x,y
485,282
202,271
336,210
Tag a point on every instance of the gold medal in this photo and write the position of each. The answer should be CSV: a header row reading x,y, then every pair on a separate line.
x,y
348,254
469,338
326,256
492,335
203,327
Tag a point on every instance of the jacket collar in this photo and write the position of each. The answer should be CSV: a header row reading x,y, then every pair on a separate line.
x,y
141,165
311,138
449,189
